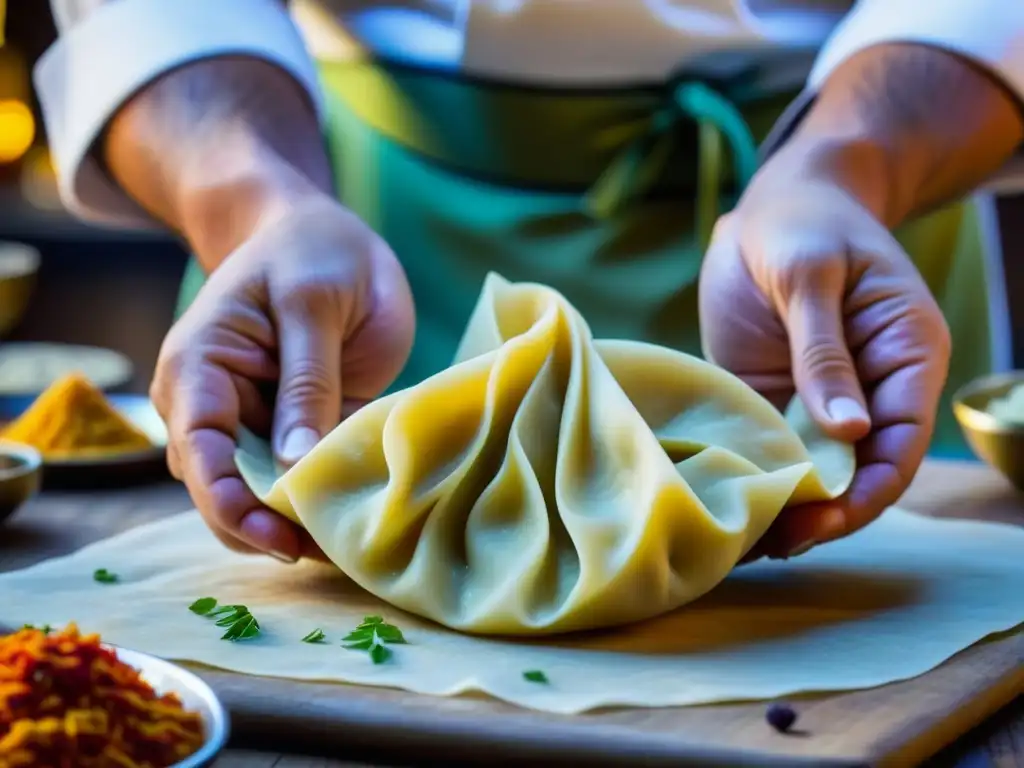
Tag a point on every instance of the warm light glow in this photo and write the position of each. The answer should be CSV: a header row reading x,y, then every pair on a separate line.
x,y
39,181
17,130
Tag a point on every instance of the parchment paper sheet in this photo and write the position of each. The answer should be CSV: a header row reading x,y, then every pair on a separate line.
x,y
886,604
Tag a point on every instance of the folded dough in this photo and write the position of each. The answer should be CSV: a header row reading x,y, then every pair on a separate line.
x,y
548,482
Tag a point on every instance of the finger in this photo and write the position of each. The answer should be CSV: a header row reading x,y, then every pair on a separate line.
x,y
907,363
204,417
823,369
309,394
905,405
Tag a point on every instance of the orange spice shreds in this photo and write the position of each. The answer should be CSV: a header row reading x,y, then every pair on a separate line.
x,y
68,702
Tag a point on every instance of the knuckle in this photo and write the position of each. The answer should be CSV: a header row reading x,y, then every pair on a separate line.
x,y
823,357
927,327
306,294
807,272
309,383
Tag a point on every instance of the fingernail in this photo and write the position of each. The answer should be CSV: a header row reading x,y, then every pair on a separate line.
x,y
801,548
845,409
283,557
298,443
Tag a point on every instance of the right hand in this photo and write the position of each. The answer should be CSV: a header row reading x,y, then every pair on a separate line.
x,y
313,302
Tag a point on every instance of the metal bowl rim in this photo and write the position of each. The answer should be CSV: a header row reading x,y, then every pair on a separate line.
x,y
983,421
220,722
32,460
33,259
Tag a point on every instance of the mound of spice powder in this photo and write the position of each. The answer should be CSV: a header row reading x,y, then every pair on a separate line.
x,y
68,702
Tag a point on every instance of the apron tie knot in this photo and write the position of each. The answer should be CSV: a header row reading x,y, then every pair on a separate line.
x,y
637,167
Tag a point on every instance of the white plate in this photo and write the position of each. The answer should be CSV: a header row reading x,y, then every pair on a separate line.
x,y
28,368
195,695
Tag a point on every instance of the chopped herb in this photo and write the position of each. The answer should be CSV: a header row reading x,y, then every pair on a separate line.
x,y
535,676
316,636
379,654
238,622
45,629
242,629
390,634
371,635
203,605
103,576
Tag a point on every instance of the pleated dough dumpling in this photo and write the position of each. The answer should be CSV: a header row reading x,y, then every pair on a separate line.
x,y
547,482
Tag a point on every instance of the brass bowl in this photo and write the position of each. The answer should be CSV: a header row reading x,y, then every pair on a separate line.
x,y
21,470
19,264
995,440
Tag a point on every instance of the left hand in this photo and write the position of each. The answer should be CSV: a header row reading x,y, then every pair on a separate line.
x,y
804,289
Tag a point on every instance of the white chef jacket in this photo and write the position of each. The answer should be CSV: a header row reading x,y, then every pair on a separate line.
x,y
109,49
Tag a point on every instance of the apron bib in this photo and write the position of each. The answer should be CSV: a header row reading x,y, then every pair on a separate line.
x,y
607,196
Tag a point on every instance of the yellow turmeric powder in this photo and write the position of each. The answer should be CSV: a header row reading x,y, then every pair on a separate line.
x,y
73,418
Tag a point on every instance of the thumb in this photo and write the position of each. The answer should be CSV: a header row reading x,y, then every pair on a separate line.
x,y
823,369
309,393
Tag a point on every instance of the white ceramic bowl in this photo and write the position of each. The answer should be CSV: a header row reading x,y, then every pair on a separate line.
x,y
196,695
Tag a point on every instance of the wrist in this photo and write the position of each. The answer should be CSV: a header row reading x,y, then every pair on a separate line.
x,y
864,167
221,202
910,127
213,148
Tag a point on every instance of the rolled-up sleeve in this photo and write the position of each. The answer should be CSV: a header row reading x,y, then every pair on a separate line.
x,y
989,33
107,50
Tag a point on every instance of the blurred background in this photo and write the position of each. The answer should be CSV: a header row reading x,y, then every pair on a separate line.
x,y
107,288
117,289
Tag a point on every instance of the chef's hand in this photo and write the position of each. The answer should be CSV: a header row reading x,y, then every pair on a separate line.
x,y
313,305
804,289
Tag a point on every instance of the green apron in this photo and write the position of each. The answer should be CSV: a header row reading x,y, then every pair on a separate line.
x,y
605,195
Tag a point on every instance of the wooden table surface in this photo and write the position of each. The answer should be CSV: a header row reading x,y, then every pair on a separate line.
x,y
946,488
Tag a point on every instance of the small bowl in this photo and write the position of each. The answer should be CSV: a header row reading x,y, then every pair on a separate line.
x,y
21,471
996,441
19,264
196,696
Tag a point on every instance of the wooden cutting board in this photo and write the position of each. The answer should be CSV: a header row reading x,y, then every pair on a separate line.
x,y
896,725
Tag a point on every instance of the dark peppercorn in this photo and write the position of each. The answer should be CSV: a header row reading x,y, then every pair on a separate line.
x,y
781,717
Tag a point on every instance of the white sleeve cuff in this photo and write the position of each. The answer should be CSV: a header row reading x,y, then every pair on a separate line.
x,y
119,48
989,33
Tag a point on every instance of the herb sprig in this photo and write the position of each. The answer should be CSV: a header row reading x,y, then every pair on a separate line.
x,y
103,576
45,629
373,635
535,676
237,620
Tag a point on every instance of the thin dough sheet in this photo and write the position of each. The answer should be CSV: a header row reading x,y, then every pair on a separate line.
x,y
887,604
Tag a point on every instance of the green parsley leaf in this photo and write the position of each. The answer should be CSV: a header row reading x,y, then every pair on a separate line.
x,y
316,636
379,654
358,635
45,629
203,606
103,576
372,635
242,629
229,615
535,676
361,645
390,634
238,622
